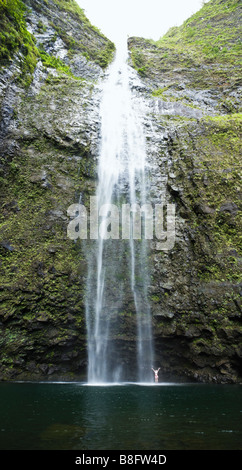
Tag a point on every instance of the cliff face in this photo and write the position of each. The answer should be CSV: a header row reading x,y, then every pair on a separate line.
x,y
49,133
51,61
191,80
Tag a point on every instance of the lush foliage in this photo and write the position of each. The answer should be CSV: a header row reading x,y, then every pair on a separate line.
x,y
55,62
103,54
210,38
14,35
203,36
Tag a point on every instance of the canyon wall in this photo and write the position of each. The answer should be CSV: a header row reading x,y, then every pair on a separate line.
x,y
192,81
52,62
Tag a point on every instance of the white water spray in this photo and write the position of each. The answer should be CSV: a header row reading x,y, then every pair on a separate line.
x,y
118,276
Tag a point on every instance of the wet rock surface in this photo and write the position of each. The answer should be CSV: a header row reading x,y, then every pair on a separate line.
x,y
50,132
193,149
49,138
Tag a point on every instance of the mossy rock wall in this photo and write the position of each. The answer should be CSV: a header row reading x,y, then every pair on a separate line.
x,y
49,137
50,130
197,285
192,84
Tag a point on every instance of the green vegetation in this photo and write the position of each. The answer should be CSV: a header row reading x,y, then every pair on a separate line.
x,y
41,274
14,36
212,162
155,298
102,52
72,7
139,61
210,38
105,56
56,63
203,36
160,92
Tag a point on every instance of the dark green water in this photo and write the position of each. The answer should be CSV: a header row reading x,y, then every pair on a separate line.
x,y
131,417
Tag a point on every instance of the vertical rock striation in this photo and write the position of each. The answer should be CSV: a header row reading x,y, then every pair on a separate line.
x,y
192,81
51,61
49,136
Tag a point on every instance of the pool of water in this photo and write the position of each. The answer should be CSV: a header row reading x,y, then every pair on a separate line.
x,y
74,416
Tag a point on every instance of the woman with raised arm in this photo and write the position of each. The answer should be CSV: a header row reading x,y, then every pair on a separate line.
x,y
156,374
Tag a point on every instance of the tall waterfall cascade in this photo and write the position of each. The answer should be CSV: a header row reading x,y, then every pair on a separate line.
x,y
118,317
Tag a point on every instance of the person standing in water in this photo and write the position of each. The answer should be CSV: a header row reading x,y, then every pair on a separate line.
x,y
156,372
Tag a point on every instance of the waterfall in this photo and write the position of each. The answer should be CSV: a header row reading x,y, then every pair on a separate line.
x,y
117,304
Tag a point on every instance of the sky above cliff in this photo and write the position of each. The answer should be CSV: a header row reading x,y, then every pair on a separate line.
x,y
147,18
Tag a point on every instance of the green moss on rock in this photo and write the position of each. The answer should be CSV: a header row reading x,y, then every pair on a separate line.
x,y
15,37
202,54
